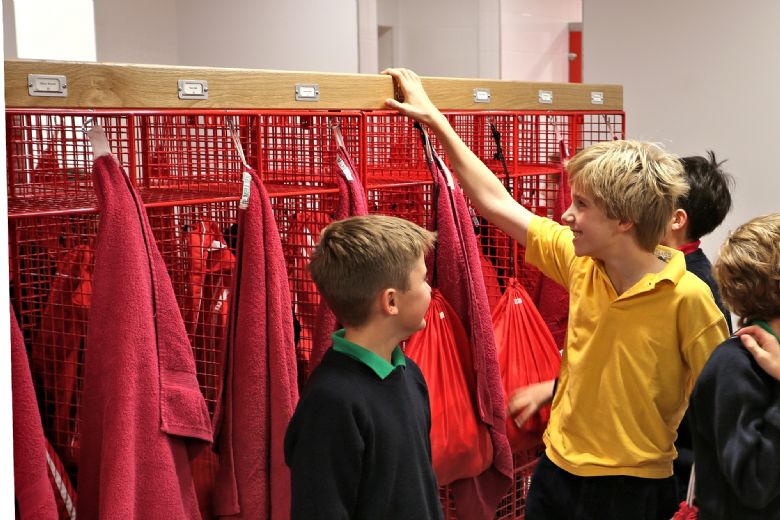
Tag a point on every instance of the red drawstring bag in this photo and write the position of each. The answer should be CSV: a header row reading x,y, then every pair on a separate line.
x,y
461,445
527,354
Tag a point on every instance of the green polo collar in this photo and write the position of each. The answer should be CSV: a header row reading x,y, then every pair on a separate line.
x,y
381,367
764,325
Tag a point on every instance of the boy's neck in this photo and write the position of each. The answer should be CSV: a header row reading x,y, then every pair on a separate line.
x,y
374,340
774,324
626,269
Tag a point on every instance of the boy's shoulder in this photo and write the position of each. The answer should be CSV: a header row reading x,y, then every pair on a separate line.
x,y
334,380
727,356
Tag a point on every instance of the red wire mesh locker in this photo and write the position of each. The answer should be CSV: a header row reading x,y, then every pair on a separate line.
x,y
49,164
52,224
51,266
186,168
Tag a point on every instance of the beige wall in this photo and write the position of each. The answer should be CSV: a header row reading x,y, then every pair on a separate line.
x,y
698,75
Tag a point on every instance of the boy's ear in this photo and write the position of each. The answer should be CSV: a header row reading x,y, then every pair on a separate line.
x,y
679,219
388,302
625,225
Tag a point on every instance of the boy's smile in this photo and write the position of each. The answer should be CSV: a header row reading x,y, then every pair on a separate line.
x,y
593,231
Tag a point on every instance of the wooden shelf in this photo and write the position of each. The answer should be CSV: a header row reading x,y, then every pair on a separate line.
x,y
127,86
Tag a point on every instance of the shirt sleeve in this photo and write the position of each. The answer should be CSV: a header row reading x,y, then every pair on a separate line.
x,y
549,247
324,448
702,316
737,409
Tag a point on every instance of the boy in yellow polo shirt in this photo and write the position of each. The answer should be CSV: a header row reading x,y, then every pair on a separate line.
x,y
640,326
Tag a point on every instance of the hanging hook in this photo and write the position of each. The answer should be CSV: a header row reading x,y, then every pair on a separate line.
x,y
337,134
87,123
236,141
609,127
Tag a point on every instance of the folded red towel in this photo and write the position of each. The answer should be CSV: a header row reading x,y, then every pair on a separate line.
x,y
352,203
143,415
259,386
34,494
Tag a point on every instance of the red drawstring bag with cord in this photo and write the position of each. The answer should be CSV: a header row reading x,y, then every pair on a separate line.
x,y
527,354
461,445
688,511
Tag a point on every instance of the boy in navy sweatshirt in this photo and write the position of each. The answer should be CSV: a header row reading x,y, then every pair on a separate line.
x,y
735,405
358,445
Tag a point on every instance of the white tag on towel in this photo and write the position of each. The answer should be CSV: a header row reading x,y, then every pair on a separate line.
x,y
247,183
344,168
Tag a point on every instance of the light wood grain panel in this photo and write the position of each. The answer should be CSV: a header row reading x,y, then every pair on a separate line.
x,y
96,85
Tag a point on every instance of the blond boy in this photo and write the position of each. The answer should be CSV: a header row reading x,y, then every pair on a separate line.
x,y
358,445
640,326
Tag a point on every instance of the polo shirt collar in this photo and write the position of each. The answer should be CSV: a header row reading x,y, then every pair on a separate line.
x,y
675,264
764,325
376,363
672,272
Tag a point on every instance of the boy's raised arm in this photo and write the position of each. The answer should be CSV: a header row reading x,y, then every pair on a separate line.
x,y
483,188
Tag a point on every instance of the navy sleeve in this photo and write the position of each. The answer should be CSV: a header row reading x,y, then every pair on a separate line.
x,y
323,447
737,409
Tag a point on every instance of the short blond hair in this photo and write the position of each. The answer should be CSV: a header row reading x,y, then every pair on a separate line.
x,y
359,257
748,269
631,181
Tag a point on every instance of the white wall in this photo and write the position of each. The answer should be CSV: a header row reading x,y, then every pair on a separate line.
x,y
697,75
453,38
307,35
312,35
141,31
368,45
51,29
535,38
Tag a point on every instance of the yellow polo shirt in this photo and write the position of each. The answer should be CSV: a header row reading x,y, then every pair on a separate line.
x,y
630,361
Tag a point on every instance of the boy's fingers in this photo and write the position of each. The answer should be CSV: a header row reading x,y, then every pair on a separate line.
x,y
522,418
750,344
758,337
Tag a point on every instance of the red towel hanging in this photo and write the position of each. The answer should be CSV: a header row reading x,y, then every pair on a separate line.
x,y
457,274
259,385
33,492
143,415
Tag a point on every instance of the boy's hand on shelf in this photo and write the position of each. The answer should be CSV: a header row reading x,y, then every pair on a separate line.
x,y
416,103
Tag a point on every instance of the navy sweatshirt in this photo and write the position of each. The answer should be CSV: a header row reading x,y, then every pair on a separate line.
x,y
735,424
698,263
358,446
